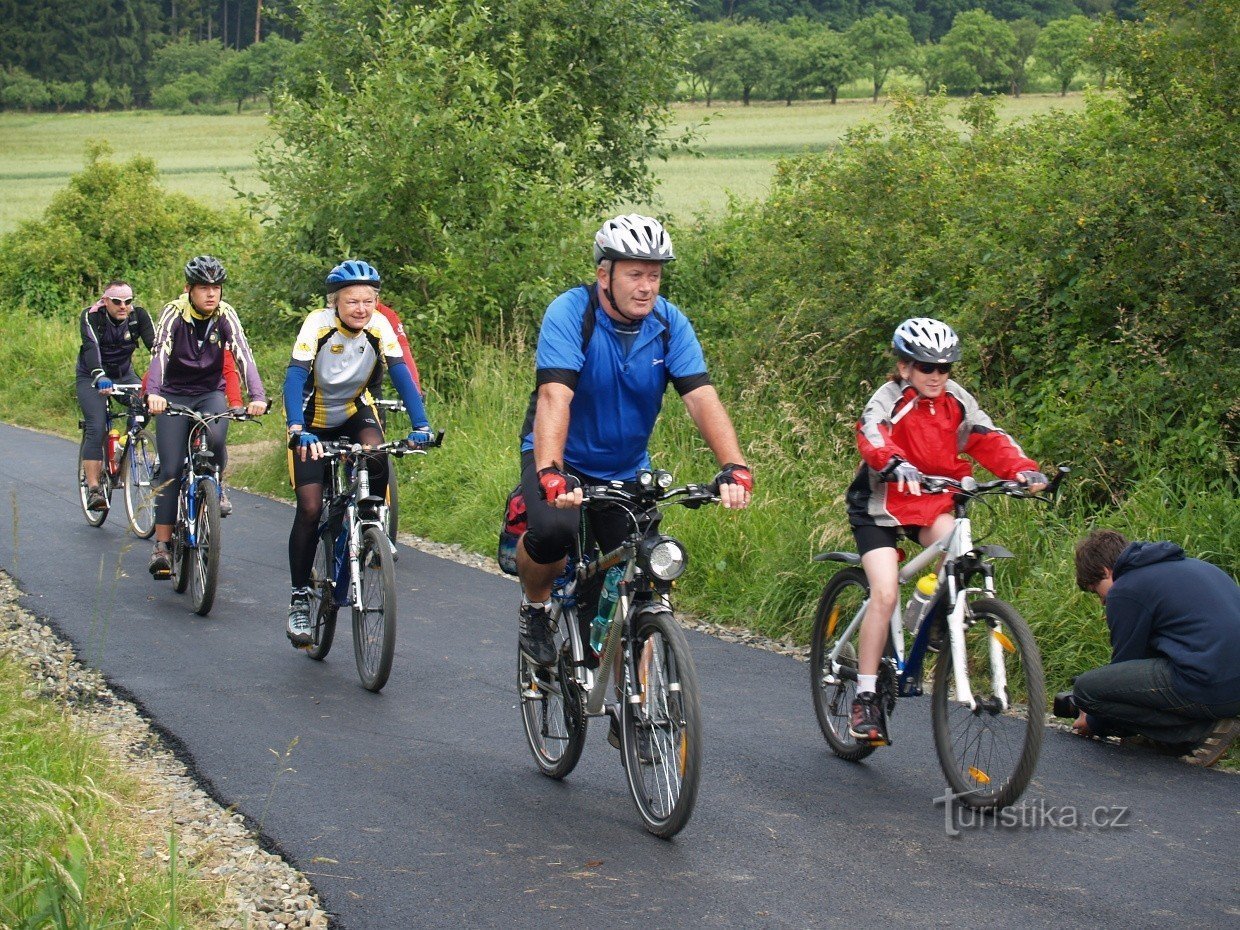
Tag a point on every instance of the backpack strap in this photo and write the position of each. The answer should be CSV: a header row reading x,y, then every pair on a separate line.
x,y
588,321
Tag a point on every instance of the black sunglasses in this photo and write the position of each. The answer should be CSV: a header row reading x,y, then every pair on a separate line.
x,y
926,368
121,301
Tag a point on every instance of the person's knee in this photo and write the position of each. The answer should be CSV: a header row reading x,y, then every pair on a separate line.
x,y
1088,690
544,548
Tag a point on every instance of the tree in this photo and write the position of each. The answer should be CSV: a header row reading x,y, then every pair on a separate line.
x,y
832,61
1026,33
881,42
67,94
791,69
459,146
750,51
978,50
705,63
23,91
101,93
1061,49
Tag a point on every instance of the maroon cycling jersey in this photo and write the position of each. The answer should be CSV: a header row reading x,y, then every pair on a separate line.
x,y
932,435
188,357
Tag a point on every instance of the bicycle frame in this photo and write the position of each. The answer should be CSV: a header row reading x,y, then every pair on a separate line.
x,y
339,487
957,545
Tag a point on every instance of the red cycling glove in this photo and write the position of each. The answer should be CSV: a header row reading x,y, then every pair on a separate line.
x,y
735,474
552,483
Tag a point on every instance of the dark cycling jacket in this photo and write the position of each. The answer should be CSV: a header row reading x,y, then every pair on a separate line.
x,y
108,345
188,356
932,435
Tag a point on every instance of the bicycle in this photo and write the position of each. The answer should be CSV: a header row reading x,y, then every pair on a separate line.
x,y
353,561
130,462
643,666
989,697
196,536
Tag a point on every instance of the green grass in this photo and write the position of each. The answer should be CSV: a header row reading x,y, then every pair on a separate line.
x,y
739,146
71,844
38,152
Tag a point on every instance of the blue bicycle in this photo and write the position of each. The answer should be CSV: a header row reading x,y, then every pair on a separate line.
x,y
196,535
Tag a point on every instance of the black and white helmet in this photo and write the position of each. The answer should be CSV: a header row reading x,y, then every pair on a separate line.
x,y
636,237
205,269
922,339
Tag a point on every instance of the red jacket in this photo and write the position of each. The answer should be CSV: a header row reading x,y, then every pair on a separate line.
x,y
933,435
404,343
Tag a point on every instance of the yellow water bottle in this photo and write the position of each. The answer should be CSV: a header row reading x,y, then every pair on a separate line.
x,y
922,592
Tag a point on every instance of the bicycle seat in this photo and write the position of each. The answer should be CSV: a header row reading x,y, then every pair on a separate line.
x,y
851,558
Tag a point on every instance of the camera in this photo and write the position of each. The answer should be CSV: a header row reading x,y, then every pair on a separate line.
x,y
1064,705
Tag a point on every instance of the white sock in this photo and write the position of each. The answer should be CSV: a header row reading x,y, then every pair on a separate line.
x,y
867,684
526,602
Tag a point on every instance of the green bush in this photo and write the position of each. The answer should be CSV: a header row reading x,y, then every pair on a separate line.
x,y
114,220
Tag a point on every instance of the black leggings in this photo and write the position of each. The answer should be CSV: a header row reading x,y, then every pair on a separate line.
x,y
551,530
308,477
171,435
95,413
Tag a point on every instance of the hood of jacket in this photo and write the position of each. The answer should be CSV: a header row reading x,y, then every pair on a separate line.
x,y
1140,554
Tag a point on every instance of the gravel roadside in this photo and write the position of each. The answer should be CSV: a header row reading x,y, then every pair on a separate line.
x,y
261,889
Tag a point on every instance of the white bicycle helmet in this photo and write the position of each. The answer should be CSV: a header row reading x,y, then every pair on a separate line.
x,y
922,339
636,237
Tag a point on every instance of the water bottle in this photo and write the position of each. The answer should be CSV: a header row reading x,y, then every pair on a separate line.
x,y
606,604
922,592
114,449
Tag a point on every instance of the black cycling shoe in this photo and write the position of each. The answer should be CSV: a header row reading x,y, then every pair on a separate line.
x,y
95,498
535,639
647,749
160,565
299,631
867,720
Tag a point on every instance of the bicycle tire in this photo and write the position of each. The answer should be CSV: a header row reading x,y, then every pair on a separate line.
x,y
374,615
139,466
204,558
967,740
841,599
552,712
665,768
323,608
93,517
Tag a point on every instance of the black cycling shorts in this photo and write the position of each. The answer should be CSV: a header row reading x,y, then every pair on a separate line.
x,y
871,536
551,530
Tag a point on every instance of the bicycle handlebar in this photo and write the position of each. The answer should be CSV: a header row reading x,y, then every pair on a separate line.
x,y
332,448
689,495
239,414
942,484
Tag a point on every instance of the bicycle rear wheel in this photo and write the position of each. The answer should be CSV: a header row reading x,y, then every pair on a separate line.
x,y
552,711
93,517
138,468
835,689
374,615
662,731
322,599
204,557
988,753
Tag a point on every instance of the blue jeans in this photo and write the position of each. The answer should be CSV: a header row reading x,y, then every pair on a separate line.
x,y
1138,697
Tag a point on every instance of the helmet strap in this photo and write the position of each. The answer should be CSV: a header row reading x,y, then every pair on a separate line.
x,y
611,273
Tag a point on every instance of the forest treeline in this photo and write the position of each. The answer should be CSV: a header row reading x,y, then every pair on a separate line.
x,y
196,55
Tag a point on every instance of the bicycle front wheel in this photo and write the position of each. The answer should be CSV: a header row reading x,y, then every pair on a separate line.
x,y
393,501
374,614
93,517
835,687
138,468
988,748
204,557
662,729
552,712
322,599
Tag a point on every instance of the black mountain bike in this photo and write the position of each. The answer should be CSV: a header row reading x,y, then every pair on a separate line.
x,y
353,562
130,463
643,675
196,537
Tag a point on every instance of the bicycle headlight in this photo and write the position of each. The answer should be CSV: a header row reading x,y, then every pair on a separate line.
x,y
664,557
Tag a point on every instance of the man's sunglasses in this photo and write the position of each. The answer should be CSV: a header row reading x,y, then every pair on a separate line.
x,y
121,301
926,368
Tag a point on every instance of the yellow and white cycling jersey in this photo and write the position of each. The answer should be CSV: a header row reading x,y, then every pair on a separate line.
x,y
344,365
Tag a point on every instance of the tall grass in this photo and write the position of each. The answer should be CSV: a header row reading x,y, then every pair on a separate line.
x,y
70,856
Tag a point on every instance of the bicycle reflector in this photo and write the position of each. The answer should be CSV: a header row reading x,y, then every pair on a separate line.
x,y
663,557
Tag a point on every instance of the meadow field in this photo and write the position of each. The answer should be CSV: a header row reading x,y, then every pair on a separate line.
x,y
204,156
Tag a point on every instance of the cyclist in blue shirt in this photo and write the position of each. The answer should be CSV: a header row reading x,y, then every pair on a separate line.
x,y
606,354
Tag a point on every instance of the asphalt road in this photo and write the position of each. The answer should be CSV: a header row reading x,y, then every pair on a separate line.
x,y
421,807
